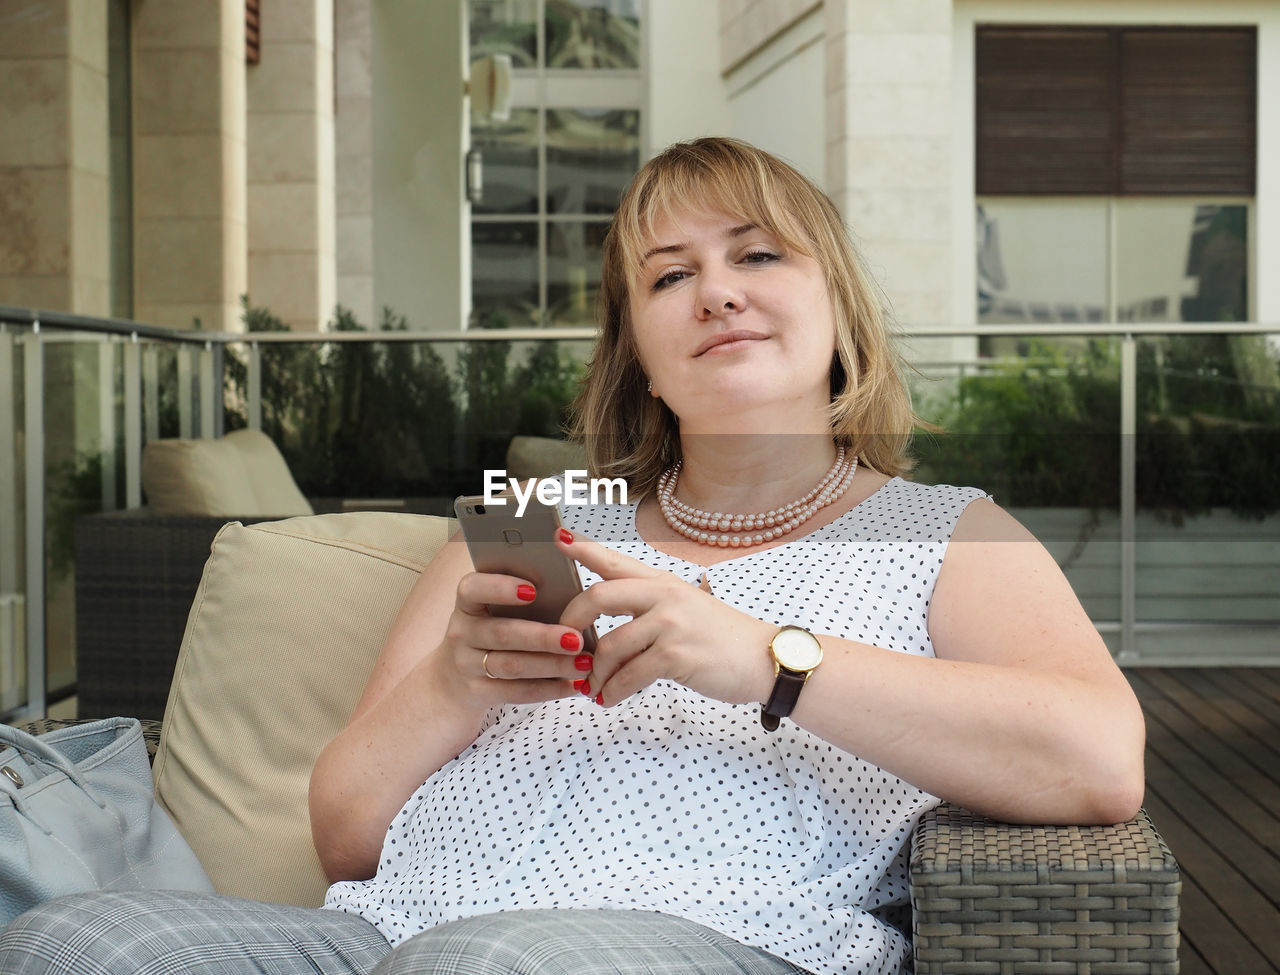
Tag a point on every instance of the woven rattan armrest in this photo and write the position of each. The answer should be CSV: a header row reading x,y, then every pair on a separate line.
x,y
996,898
150,729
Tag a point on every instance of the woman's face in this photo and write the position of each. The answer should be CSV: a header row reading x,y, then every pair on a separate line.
x,y
727,320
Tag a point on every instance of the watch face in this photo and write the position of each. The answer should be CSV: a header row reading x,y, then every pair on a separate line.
x,y
797,649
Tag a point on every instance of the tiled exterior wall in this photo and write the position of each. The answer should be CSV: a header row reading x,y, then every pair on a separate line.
x,y
189,149
746,25
290,186
54,195
889,146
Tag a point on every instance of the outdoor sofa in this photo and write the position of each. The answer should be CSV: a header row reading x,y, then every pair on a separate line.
x,y
285,625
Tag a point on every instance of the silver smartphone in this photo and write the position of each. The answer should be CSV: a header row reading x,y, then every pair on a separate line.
x,y
501,541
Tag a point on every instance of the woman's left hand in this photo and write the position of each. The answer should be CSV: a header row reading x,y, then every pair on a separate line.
x,y
678,631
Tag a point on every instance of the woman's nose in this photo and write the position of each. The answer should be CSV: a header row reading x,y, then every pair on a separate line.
x,y
719,295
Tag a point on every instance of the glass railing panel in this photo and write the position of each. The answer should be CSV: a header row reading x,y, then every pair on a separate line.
x,y
406,419
13,587
1038,427
1208,485
84,471
170,388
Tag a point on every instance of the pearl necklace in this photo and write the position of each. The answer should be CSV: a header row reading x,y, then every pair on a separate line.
x,y
709,527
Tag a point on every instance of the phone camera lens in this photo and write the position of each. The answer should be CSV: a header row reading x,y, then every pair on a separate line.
x,y
479,509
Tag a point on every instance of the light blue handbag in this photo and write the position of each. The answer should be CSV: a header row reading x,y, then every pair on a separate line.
x,y
78,813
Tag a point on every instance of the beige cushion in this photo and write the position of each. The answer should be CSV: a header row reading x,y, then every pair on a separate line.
x,y
196,477
285,628
543,457
242,474
273,486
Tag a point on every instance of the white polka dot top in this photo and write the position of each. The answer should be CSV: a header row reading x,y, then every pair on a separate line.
x,y
676,803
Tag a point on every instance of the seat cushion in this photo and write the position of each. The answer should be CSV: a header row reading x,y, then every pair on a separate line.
x,y
283,633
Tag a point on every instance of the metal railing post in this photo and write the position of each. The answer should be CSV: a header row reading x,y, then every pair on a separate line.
x,y
185,424
33,431
1128,497
12,643
204,392
211,387
255,386
107,420
150,393
133,423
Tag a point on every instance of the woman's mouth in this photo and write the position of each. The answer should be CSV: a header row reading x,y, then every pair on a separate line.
x,y
727,341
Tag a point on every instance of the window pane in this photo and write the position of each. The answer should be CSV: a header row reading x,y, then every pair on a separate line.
x,y
504,275
573,271
1181,261
1042,261
593,34
510,154
505,27
591,156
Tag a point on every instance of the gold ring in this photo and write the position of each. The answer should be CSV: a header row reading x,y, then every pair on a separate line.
x,y
484,665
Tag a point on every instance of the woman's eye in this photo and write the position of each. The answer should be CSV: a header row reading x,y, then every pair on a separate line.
x,y
759,257
670,278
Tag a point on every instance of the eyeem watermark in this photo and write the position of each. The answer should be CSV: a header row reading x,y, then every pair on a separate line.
x,y
577,489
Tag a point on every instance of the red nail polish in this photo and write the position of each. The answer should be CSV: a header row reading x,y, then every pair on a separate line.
x,y
582,685
566,536
526,592
600,698
571,641
584,661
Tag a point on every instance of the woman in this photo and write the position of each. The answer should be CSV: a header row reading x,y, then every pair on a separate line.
x,y
705,794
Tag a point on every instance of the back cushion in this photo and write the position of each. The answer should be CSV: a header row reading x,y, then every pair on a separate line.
x,y
273,486
197,477
284,631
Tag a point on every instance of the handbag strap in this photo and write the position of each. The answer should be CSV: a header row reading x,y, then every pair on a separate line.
x,y
31,746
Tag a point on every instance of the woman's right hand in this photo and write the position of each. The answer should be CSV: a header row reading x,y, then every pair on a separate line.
x,y
489,659
425,702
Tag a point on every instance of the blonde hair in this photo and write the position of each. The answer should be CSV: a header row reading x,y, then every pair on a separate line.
x,y
630,434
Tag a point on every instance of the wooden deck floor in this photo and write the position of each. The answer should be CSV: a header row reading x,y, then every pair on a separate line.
x,y
1213,791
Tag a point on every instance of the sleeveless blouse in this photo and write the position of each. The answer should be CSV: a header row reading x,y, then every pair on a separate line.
x,y
673,802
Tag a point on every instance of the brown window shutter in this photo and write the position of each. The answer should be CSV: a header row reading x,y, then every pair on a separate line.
x,y
1188,111
1044,110
1111,111
252,35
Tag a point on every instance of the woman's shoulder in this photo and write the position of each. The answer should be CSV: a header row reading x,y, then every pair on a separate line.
x,y
898,493
907,511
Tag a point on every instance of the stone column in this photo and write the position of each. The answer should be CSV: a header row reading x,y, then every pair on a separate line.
x,y
189,163
54,192
291,164
889,147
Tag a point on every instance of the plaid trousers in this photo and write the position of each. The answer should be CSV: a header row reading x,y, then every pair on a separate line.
x,y
171,932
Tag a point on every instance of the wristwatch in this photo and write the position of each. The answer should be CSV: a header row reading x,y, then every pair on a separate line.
x,y
796,654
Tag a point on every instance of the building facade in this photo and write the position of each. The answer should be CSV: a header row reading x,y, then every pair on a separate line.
x,y
154,167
